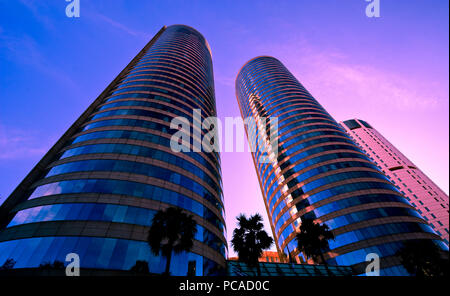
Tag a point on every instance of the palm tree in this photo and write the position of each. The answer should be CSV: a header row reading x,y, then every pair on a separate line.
x,y
423,258
284,258
140,267
52,265
8,264
250,240
172,231
312,239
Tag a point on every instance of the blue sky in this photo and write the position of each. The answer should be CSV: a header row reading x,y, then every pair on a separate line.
x,y
391,71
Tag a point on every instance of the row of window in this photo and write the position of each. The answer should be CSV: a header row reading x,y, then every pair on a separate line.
x,y
152,79
164,128
104,212
275,136
158,86
99,253
301,162
153,104
308,163
334,191
360,200
316,171
267,168
377,231
165,89
134,135
153,64
270,87
112,165
109,186
382,250
150,153
160,71
364,215
173,55
161,95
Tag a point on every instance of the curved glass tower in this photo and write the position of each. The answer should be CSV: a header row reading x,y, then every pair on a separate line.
x,y
96,191
319,172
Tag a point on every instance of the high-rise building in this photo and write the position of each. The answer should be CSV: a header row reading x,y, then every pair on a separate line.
x,y
318,172
95,192
429,200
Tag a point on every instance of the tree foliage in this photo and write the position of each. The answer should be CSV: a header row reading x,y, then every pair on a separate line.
x,y
250,240
172,231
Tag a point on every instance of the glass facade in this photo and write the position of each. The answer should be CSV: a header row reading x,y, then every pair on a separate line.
x,y
236,268
320,173
96,191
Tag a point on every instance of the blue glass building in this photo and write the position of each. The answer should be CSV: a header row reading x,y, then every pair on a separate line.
x,y
95,192
320,173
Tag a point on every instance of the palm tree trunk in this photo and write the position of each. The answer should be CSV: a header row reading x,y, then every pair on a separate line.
x,y
169,259
258,268
325,263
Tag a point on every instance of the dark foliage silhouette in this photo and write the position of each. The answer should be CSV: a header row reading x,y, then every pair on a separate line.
x,y
8,264
140,267
312,240
250,240
55,265
422,258
172,231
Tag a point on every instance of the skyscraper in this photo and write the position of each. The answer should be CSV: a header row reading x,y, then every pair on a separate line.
x,y
429,200
318,172
95,192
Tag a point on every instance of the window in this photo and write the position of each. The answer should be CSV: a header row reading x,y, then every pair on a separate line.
x,y
352,124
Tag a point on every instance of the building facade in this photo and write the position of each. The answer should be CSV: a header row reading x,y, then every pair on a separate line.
x,y
429,200
267,256
318,172
95,192
270,256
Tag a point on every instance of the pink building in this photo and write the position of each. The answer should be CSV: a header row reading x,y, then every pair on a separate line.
x,y
429,200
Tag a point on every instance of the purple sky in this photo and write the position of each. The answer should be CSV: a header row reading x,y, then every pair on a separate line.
x,y
391,71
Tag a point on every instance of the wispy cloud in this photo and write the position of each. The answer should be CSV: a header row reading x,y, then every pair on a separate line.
x,y
369,84
20,144
331,73
225,80
106,20
24,50
39,10
121,26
